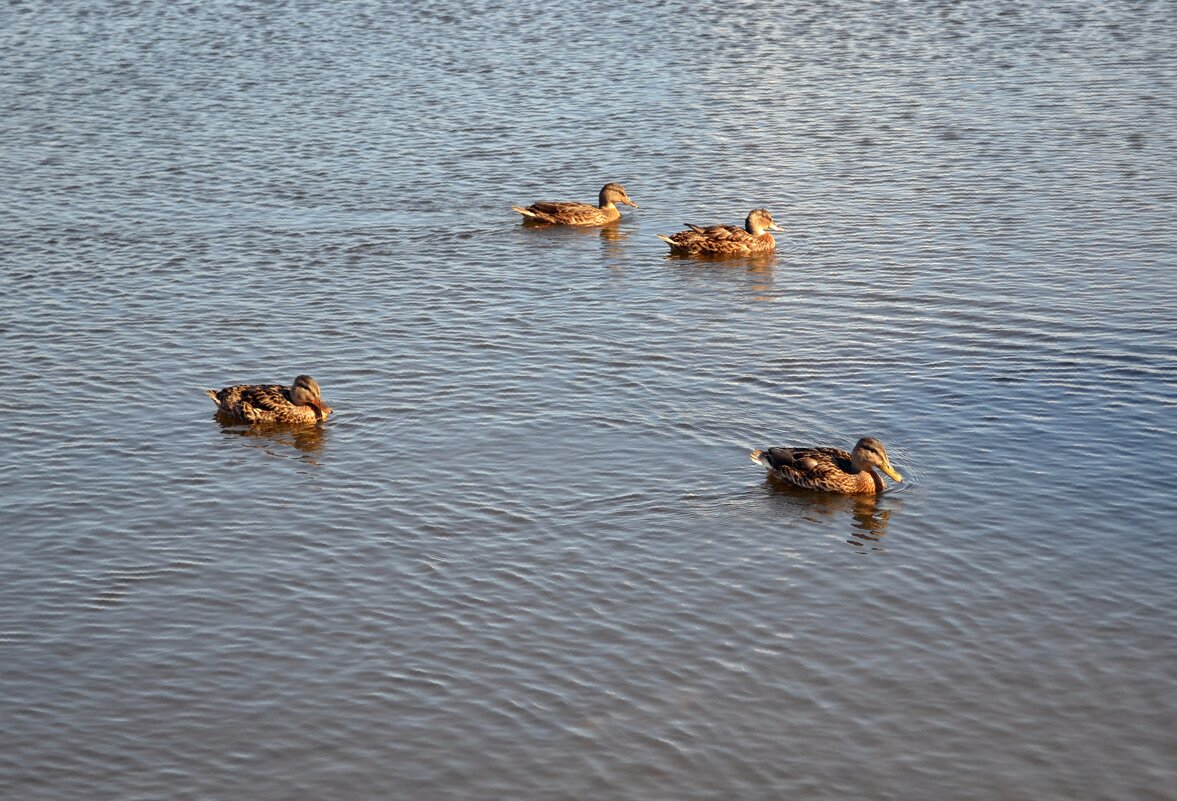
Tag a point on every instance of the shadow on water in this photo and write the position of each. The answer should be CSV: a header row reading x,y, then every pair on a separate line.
x,y
869,514
612,236
757,271
612,232
276,439
760,263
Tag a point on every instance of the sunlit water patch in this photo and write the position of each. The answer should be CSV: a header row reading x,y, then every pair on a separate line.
x,y
528,556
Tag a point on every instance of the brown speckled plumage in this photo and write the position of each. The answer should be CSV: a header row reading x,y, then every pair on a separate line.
x,y
299,403
831,469
569,213
726,240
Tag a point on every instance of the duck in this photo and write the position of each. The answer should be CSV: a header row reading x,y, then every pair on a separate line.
x,y
830,469
726,240
571,213
299,403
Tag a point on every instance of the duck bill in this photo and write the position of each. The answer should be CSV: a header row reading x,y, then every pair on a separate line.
x,y
890,471
322,410
629,202
774,227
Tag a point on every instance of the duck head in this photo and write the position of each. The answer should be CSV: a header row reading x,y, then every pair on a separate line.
x,y
868,453
615,193
759,221
305,392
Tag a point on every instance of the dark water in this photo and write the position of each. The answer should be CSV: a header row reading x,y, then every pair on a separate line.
x,y
529,558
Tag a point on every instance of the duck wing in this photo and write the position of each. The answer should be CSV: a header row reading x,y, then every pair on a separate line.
x,y
267,397
718,233
560,207
567,212
814,462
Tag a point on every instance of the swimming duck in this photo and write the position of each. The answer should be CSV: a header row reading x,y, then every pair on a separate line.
x,y
569,213
831,469
272,403
726,240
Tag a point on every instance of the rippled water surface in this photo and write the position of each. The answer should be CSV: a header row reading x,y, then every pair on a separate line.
x,y
528,558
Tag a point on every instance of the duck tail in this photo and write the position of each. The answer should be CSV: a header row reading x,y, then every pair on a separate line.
x,y
212,393
758,457
523,211
666,239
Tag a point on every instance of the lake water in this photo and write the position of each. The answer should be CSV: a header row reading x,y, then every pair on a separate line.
x,y
528,558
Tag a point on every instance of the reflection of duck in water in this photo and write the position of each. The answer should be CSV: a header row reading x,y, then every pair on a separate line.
x,y
761,264
569,213
307,439
613,232
726,240
831,469
868,520
300,403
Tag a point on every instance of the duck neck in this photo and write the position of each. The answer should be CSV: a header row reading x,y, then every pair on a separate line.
x,y
877,481
609,211
860,466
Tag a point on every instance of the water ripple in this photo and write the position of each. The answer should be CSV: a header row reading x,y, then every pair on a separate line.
x,y
528,556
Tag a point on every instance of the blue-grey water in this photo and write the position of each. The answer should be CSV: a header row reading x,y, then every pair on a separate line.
x,y
528,558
